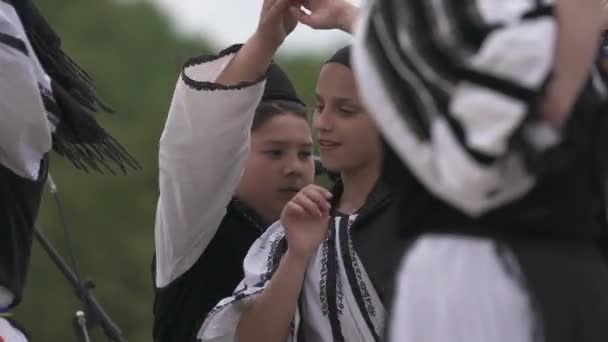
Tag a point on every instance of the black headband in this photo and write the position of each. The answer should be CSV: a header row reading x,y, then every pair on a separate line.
x,y
341,56
278,86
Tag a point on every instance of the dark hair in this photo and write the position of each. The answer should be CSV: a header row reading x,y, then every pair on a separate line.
x,y
269,109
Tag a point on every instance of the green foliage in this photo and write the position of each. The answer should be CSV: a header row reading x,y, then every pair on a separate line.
x,y
135,58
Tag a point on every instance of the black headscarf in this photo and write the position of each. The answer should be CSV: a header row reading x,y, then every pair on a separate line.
x,y
392,168
78,136
278,86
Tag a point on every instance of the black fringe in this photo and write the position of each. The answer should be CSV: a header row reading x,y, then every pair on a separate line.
x,y
78,137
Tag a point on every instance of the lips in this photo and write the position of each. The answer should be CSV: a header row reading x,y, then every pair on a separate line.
x,y
325,144
290,189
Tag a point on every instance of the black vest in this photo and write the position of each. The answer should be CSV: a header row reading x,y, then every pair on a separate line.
x,y
181,307
19,204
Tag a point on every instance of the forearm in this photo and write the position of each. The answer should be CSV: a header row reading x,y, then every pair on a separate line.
x,y
250,63
270,316
579,29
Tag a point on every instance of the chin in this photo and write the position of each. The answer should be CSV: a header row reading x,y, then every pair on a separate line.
x,y
331,165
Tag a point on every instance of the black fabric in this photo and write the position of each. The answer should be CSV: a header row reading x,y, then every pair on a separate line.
x,y
278,86
181,308
19,204
14,43
567,285
341,56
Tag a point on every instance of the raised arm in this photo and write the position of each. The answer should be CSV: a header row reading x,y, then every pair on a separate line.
x,y
206,141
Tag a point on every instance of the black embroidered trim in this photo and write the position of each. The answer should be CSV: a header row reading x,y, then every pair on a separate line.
x,y
210,86
323,276
238,296
278,247
355,278
14,42
511,267
331,289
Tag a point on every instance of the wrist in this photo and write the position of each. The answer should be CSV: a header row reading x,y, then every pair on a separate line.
x,y
298,259
264,44
348,18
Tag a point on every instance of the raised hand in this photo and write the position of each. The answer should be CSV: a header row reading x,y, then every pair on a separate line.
x,y
327,14
305,219
277,21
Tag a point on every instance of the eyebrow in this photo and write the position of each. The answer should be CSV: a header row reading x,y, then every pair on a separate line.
x,y
338,100
285,143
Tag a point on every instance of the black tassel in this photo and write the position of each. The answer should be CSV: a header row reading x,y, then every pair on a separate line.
x,y
78,137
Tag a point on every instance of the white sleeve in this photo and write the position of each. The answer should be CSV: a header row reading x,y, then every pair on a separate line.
x,y
202,153
259,266
25,135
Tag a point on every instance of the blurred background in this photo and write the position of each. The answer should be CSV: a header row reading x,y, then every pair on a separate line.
x,y
134,50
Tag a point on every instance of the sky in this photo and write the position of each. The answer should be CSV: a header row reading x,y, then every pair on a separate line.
x,y
224,22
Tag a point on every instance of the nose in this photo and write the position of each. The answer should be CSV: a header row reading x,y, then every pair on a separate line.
x,y
321,121
295,165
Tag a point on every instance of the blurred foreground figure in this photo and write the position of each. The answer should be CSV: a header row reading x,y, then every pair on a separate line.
x,y
46,101
499,110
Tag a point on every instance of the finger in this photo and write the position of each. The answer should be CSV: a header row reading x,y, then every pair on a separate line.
x,y
317,195
294,208
324,191
309,205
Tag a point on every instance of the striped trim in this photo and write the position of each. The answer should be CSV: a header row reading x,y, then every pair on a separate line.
x,y
14,43
331,288
348,255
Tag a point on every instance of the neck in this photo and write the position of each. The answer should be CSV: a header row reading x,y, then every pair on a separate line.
x,y
358,183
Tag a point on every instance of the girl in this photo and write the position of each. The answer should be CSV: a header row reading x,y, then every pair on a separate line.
x,y
323,272
499,111
236,147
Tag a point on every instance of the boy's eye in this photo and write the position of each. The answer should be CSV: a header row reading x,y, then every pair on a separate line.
x,y
305,154
274,153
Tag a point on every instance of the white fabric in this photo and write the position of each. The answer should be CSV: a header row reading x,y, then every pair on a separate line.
x,y
456,289
203,149
444,166
25,133
9,333
6,297
490,118
312,319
